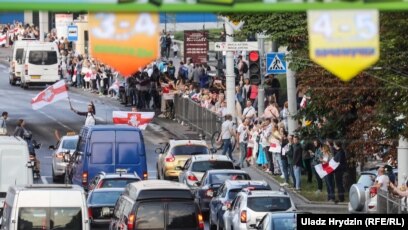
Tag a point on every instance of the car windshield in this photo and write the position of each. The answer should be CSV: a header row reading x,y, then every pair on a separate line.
x,y
367,180
105,197
118,183
222,177
284,223
189,150
49,218
269,204
204,166
70,144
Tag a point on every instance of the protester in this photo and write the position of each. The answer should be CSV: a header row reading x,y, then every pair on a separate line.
x,y
90,114
297,162
340,157
3,123
243,132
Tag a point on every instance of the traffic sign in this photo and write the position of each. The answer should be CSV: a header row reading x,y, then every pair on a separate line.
x,y
72,33
234,46
344,42
275,63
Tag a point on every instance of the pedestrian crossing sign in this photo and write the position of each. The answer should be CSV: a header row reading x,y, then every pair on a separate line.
x,y
275,63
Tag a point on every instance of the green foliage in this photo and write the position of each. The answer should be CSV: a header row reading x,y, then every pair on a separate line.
x,y
373,104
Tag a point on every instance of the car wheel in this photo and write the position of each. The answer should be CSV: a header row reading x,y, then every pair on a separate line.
x,y
54,178
212,225
157,170
219,227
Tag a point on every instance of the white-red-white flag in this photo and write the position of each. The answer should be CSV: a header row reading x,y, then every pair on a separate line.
x,y
326,168
3,39
51,94
135,119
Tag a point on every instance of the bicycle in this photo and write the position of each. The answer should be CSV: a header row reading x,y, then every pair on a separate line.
x,y
169,111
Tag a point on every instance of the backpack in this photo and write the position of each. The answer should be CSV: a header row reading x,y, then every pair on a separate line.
x,y
184,72
244,67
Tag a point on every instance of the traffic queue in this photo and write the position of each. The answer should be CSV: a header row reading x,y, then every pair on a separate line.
x,y
104,175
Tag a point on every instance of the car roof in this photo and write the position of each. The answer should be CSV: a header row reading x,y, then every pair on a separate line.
x,y
208,157
118,175
12,140
187,142
242,183
157,184
110,127
73,137
134,189
225,171
108,190
48,187
264,193
285,214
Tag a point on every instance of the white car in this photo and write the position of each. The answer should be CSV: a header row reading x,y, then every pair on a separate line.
x,y
195,167
363,195
250,206
67,144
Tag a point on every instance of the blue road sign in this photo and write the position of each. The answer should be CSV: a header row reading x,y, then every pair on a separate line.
x,y
72,33
275,63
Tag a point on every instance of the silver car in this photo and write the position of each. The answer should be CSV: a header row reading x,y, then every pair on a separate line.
x,y
67,144
249,206
195,167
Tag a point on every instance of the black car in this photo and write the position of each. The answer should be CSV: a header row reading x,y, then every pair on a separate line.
x,y
211,181
226,194
101,203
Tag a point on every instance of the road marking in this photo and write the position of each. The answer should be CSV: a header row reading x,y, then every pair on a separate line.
x,y
44,180
52,118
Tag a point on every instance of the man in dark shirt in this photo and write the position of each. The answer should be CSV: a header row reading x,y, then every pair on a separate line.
x,y
297,161
340,157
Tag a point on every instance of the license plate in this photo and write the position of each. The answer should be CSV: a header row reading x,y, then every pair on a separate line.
x,y
35,77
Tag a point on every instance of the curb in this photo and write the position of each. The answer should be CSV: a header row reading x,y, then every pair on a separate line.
x,y
304,199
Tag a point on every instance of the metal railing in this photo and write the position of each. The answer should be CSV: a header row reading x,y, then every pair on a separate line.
x,y
389,203
200,119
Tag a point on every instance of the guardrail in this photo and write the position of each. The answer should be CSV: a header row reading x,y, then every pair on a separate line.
x,y
389,203
200,119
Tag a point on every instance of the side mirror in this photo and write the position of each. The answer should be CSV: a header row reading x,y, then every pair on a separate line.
x,y
253,226
198,183
159,150
213,150
179,168
237,167
51,147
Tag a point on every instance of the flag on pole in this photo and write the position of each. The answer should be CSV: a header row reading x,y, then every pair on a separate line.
x,y
51,94
135,119
326,168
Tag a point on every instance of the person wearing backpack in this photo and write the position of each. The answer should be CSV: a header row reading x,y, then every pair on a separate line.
x,y
183,71
171,70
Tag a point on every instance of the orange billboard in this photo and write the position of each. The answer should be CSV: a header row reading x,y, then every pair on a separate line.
x,y
124,41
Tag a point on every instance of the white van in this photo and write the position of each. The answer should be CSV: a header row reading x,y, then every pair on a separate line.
x,y
40,64
15,168
16,61
48,206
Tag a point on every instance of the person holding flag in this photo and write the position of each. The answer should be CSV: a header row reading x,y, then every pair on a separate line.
x,y
329,178
90,114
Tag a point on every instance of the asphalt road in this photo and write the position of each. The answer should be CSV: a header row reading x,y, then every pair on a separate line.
x,y
58,116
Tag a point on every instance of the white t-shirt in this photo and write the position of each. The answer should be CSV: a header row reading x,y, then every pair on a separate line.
x,y
249,112
384,180
226,129
90,120
242,130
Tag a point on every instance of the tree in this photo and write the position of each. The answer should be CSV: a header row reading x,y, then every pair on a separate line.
x,y
363,111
